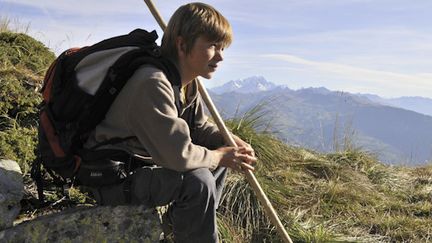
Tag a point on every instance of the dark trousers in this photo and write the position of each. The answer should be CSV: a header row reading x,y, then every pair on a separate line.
x,y
194,196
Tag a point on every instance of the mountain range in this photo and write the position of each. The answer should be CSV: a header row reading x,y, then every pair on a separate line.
x,y
397,130
249,85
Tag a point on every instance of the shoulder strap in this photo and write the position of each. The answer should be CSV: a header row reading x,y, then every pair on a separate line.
x,y
138,37
119,74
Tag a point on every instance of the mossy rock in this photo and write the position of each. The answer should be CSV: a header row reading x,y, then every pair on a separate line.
x,y
96,224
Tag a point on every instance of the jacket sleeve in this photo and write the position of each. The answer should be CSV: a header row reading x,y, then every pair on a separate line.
x,y
205,133
152,116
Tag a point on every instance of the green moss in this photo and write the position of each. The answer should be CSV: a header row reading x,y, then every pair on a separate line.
x,y
23,61
79,197
21,50
18,98
18,143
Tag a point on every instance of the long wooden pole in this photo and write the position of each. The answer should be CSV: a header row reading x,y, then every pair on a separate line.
x,y
271,212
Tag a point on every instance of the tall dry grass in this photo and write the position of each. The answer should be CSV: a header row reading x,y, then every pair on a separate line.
x,y
13,25
345,196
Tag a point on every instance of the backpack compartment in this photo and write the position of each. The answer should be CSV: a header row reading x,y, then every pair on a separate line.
x,y
103,167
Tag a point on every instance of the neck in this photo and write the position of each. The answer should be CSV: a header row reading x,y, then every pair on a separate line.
x,y
186,77
185,74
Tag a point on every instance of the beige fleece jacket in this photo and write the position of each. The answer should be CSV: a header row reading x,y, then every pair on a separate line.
x,y
145,108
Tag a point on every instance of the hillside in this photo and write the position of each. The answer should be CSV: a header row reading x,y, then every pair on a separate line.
x,y
326,121
346,196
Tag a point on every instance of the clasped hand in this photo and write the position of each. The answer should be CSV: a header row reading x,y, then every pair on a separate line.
x,y
238,158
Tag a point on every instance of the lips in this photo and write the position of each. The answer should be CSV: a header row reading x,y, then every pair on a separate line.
x,y
213,66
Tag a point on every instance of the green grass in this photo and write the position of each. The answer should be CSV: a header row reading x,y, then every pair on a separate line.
x,y
23,62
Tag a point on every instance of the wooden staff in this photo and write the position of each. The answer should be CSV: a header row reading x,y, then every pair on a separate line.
x,y
271,212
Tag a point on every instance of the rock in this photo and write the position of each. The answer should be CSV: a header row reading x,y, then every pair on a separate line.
x,y
11,192
96,224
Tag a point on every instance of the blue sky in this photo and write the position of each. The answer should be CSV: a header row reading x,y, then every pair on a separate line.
x,y
382,47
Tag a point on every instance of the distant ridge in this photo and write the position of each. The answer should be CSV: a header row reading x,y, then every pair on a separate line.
x,y
414,103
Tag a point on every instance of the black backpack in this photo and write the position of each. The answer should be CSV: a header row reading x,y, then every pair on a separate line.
x,y
79,88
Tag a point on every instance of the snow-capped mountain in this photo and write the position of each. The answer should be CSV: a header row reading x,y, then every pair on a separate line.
x,y
252,84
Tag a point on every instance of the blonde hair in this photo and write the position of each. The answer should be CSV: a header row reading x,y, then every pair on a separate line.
x,y
191,21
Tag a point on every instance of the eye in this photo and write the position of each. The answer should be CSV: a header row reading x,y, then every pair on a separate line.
x,y
218,46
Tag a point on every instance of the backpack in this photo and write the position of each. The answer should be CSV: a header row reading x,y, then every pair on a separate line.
x,y
79,88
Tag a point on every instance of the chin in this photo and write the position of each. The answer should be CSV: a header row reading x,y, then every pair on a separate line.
x,y
207,75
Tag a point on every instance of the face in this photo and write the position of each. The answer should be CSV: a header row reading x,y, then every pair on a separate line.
x,y
202,60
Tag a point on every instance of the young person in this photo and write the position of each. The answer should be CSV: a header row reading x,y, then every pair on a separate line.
x,y
168,123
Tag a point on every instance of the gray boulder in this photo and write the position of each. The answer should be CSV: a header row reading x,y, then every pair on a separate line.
x,y
96,224
11,192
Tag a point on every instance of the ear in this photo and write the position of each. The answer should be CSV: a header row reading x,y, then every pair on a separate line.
x,y
181,46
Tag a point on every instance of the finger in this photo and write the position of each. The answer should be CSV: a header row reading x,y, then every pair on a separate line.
x,y
236,167
246,166
247,158
247,150
242,165
250,160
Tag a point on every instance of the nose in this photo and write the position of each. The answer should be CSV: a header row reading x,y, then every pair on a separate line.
x,y
219,55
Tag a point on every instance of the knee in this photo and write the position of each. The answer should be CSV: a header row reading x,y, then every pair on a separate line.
x,y
200,182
